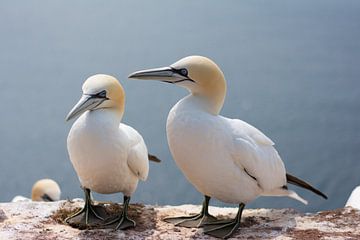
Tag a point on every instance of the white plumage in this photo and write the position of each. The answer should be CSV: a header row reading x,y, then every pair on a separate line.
x,y
218,154
108,156
224,158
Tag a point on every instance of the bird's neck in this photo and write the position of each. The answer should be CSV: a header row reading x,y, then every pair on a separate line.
x,y
110,117
211,100
198,103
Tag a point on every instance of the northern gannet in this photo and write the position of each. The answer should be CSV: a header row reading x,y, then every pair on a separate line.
x,y
224,158
44,190
354,199
107,155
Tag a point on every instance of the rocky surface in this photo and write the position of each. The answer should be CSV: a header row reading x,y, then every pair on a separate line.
x,y
35,220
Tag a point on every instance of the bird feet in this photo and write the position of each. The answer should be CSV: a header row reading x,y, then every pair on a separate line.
x,y
193,221
221,229
90,215
224,228
122,222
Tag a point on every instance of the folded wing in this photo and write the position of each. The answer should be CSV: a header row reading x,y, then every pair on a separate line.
x,y
137,160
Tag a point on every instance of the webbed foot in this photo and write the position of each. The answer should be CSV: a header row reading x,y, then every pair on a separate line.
x,y
194,221
122,221
89,215
224,228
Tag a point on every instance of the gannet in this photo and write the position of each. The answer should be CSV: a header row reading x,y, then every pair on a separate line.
x,y
45,190
227,159
107,155
354,199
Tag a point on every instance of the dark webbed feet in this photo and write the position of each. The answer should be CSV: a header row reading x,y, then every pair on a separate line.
x,y
89,215
194,221
122,221
224,228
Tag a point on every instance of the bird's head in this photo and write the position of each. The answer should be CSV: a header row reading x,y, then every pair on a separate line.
x,y
99,91
45,190
199,75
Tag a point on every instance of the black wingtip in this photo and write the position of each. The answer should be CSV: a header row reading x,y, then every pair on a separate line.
x,y
153,158
300,183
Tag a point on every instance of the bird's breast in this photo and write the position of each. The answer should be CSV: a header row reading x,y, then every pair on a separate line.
x,y
98,152
201,147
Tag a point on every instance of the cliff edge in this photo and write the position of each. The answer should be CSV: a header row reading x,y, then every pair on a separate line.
x,y
43,220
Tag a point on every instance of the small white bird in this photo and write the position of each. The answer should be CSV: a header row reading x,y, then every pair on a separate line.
x,y
224,158
108,156
44,190
354,199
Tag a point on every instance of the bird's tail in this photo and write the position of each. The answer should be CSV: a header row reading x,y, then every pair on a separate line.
x,y
153,158
300,183
295,196
286,193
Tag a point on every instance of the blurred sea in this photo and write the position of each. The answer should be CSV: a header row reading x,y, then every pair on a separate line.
x,y
292,69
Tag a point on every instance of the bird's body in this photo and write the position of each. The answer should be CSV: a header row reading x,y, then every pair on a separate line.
x,y
100,149
354,199
224,158
108,156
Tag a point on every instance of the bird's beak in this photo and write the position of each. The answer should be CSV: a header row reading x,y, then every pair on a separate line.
x,y
164,74
86,102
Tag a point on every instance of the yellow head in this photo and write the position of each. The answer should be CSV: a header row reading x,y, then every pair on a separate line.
x,y
100,91
45,190
200,75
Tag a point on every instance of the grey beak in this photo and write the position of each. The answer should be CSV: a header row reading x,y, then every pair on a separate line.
x,y
165,74
86,102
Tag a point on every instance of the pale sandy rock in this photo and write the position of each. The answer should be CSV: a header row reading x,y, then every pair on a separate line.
x,y
40,220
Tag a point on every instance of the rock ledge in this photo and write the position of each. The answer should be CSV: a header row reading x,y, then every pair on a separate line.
x,y
35,220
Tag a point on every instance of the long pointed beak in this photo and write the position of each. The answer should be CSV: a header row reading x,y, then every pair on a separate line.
x,y
165,74
86,102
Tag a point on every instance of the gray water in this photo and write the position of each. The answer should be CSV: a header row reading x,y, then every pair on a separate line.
x,y
292,69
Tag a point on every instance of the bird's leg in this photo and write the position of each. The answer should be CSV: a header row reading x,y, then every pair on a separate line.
x,y
88,213
192,221
224,228
123,222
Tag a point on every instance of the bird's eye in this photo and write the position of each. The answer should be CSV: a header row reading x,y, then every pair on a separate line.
x,y
184,71
102,94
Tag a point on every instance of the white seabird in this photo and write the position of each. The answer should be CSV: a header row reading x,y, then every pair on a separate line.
x,y
224,158
108,156
44,190
354,199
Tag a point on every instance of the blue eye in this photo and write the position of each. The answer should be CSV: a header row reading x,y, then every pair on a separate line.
x,y
184,71
101,94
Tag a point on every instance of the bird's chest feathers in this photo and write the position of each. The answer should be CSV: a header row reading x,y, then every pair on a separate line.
x,y
96,139
193,136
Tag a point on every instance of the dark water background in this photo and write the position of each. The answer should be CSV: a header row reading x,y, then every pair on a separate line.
x,y
292,67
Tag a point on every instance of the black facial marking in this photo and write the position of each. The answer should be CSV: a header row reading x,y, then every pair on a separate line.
x,y
183,72
46,198
101,94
